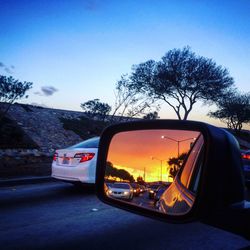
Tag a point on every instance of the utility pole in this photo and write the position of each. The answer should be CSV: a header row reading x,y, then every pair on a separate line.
x,y
155,158
144,175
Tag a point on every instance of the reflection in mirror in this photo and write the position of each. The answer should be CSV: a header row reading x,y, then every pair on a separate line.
x,y
155,169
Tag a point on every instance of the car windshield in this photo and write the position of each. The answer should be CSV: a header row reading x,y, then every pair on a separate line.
x,y
121,185
90,143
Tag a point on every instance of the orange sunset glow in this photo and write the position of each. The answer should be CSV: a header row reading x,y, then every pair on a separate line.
x,y
145,152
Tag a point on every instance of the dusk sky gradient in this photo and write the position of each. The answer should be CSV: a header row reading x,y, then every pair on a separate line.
x,y
81,48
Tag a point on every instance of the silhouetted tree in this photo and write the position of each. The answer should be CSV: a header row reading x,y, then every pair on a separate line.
x,y
175,164
234,110
120,173
95,108
151,116
129,103
180,79
12,90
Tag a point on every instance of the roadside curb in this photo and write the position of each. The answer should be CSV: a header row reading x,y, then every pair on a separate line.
x,y
26,181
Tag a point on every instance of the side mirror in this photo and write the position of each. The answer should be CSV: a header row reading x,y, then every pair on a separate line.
x,y
172,170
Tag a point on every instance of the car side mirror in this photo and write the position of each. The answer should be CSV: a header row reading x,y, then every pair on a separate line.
x,y
172,170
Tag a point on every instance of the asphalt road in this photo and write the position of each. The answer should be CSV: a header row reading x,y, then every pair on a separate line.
x,y
58,216
143,200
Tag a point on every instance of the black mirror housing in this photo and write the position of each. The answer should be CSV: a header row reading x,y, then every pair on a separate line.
x,y
221,181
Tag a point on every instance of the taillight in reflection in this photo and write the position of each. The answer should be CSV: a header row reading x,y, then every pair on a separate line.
x,y
84,156
55,156
245,156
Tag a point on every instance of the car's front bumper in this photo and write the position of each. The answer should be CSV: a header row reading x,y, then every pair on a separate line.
x,y
121,196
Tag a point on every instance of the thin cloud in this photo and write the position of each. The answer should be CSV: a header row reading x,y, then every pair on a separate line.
x,y
46,91
8,70
49,90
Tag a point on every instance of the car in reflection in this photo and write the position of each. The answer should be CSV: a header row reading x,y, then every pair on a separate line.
x,y
121,190
152,190
76,164
175,200
161,189
136,188
107,186
245,155
142,188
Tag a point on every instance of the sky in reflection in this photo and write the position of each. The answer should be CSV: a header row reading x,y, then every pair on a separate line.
x,y
145,153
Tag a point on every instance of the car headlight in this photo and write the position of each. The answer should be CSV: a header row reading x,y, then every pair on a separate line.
x,y
151,191
126,192
110,192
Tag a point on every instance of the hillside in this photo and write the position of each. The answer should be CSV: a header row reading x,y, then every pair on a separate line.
x,y
42,126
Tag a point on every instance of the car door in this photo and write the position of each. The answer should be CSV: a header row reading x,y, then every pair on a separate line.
x,y
180,196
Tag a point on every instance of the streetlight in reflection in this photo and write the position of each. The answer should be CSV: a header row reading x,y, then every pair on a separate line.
x,y
155,158
178,142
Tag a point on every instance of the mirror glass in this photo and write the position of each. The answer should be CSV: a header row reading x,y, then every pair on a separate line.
x,y
155,169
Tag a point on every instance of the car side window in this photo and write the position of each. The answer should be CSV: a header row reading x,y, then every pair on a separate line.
x,y
195,175
191,162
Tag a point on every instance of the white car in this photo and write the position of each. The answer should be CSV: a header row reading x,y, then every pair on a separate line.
x,y
121,190
76,164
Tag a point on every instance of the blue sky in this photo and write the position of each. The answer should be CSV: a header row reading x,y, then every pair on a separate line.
x,y
81,48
